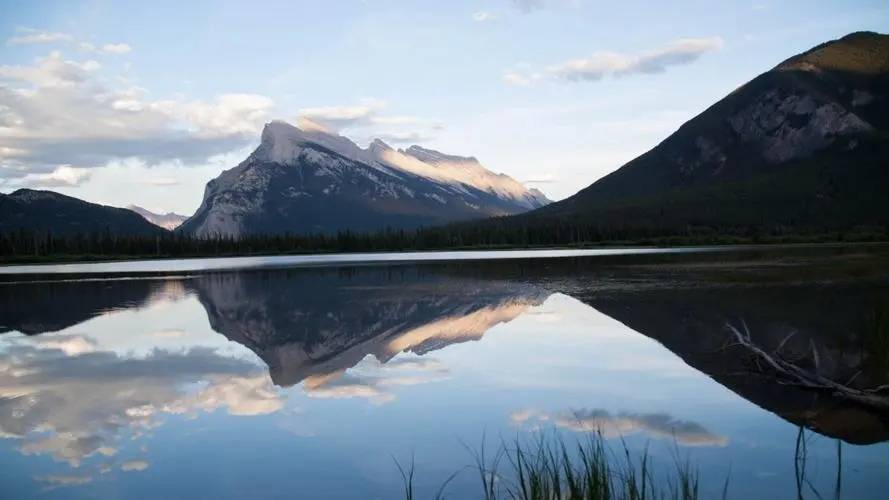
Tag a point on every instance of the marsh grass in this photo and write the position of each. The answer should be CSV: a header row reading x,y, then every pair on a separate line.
x,y
549,468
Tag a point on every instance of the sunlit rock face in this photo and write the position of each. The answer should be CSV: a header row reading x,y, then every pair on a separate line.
x,y
302,180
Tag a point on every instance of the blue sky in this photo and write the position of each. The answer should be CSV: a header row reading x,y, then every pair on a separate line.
x,y
137,102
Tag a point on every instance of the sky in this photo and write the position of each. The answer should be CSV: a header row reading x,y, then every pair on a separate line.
x,y
144,102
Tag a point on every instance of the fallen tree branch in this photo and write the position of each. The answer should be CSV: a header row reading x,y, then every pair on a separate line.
x,y
789,373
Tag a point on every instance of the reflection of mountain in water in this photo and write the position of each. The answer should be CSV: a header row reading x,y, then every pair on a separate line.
x,y
320,322
49,306
313,324
820,328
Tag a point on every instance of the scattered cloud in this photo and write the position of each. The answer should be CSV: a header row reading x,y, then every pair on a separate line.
x,y
482,16
405,137
33,36
116,48
656,425
62,176
134,466
368,118
518,79
161,181
58,111
617,64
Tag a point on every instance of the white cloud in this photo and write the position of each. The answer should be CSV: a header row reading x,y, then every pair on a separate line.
x,y
368,117
616,64
482,16
62,176
58,111
32,36
404,137
161,181
116,48
518,79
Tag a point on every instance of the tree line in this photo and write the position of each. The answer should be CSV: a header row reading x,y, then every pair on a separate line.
x,y
24,244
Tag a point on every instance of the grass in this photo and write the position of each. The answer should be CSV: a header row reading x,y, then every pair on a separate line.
x,y
548,468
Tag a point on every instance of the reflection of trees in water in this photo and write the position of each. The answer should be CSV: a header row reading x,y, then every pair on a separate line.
x,y
801,465
788,371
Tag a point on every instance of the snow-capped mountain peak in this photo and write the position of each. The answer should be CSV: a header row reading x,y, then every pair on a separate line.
x,y
310,179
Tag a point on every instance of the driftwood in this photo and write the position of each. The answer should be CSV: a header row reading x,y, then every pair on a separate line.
x,y
790,373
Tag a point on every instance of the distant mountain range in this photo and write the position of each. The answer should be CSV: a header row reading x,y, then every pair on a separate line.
x,y
169,220
46,211
802,146
307,180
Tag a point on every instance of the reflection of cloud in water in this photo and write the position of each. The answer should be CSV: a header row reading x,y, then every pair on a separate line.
x,y
169,334
52,482
134,465
373,380
60,398
71,345
657,425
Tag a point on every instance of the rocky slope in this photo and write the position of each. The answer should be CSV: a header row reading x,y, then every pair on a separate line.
x,y
804,145
168,221
309,180
47,211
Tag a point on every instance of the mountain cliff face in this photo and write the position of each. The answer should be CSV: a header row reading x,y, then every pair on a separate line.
x,y
168,221
47,211
310,180
803,145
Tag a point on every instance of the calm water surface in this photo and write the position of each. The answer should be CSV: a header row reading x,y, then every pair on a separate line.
x,y
271,380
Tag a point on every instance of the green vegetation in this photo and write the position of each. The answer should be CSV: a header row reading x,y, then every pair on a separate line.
x,y
549,469
25,246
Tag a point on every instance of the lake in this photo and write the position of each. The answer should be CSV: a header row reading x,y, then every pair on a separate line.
x,y
317,377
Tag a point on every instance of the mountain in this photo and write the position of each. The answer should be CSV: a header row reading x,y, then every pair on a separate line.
x,y
42,211
169,220
306,179
804,145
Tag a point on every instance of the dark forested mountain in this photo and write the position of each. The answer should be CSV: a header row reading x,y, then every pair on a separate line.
x,y
302,180
804,145
47,211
